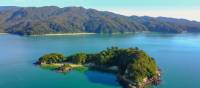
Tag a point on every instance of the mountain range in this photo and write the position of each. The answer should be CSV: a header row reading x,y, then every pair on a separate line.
x,y
52,19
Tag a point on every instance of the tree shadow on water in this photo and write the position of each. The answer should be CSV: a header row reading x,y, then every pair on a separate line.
x,y
102,78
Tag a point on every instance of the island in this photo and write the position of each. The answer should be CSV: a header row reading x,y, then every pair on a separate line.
x,y
133,67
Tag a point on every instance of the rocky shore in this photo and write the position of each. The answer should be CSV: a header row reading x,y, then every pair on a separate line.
x,y
126,83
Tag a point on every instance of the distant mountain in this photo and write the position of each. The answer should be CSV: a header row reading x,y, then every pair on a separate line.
x,y
52,19
9,8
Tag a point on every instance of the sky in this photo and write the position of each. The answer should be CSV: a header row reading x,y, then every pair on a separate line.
x,y
187,9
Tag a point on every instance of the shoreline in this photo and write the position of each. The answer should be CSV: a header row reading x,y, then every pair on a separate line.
x,y
57,34
61,67
127,83
3,33
123,81
61,64
85,33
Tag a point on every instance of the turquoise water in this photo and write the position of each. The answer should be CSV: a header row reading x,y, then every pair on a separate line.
x,y
178,55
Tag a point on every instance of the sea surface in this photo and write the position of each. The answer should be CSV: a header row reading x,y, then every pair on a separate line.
x,y
177,55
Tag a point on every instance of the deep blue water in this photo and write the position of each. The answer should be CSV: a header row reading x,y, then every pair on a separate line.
x,y
178,55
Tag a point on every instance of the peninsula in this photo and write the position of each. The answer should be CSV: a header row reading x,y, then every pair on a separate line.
x,y
133,67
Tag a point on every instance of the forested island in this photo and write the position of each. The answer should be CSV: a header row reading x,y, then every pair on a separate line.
x,y
134,68
56,20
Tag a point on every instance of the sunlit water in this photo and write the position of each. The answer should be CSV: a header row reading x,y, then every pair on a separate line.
x,y
178,55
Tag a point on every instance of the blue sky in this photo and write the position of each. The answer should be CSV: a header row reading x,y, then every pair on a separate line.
x,y
188,9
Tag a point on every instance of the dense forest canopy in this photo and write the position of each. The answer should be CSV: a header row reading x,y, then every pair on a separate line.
x,y
132,63
52,58
52,19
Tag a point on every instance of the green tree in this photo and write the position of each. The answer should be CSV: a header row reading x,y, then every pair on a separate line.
x,y
79,58
52,58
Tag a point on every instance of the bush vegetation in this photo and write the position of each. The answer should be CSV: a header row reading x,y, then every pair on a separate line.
x,y
132,63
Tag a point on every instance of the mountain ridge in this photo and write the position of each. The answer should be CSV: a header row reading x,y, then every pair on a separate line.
x,y
53,19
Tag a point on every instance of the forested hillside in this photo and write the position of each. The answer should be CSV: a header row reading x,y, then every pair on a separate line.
x,y
51,19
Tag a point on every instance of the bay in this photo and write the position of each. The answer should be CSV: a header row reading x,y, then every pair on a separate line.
x,y
176,54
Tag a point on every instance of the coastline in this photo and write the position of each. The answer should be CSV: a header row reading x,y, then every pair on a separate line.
x,y
57,34
126,83
61,64
85,33
3,33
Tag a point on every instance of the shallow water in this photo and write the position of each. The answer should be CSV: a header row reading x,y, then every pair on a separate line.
x,y
176,54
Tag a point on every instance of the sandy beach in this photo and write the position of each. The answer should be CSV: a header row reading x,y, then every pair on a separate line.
x,y
3,33
68,34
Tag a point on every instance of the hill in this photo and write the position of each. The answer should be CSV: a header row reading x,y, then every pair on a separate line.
x,y
52,19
